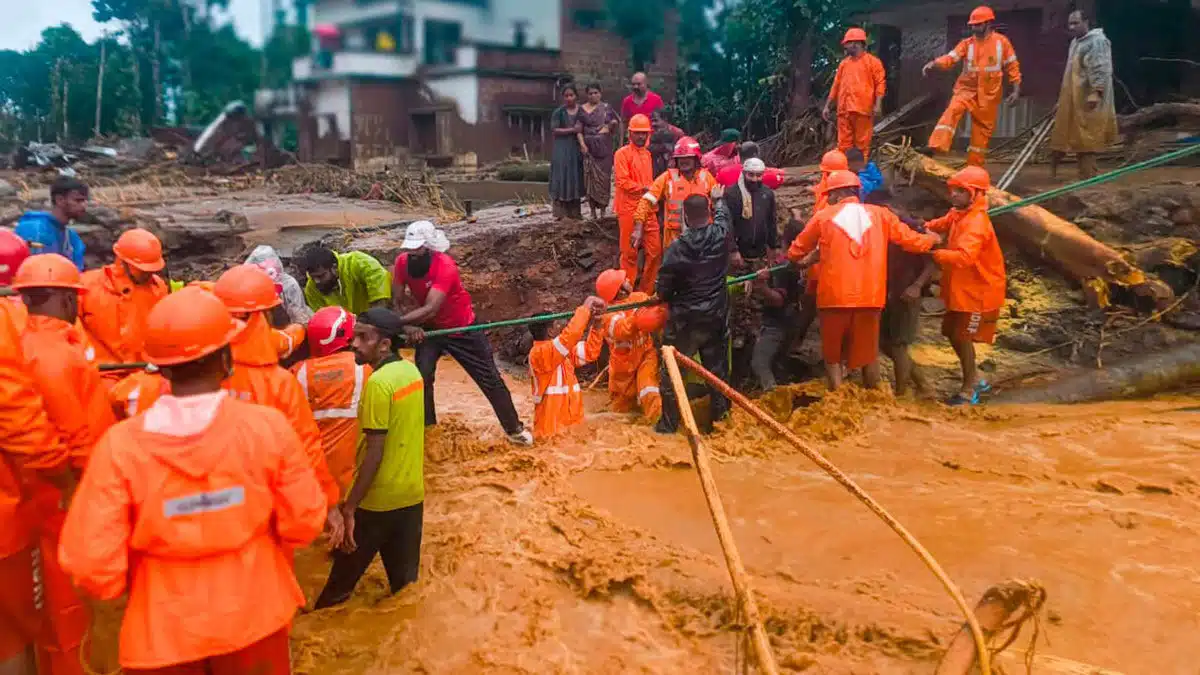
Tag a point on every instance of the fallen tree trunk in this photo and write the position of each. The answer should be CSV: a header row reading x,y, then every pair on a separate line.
x,y
1143,376
1159,111
1043,235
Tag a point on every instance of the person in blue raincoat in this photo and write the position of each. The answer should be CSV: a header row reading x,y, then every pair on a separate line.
x,y
868,174
48,231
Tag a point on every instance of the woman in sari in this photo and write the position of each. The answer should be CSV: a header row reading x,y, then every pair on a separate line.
x,y
566,163
600,123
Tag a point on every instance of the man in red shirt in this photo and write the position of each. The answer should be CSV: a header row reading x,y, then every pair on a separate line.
x,y
642,101
432,278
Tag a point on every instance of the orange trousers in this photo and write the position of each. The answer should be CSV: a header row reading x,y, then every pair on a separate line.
x,y
855,131
651,244
637,388
65,617
18,614
983,122
269,656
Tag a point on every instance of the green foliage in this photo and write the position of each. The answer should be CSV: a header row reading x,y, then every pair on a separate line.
x,y
641,23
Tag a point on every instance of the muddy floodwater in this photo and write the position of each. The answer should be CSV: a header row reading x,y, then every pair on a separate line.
x,y
596,553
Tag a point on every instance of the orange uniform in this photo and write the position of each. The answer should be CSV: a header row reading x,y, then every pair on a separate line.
x,y
334,385
287,339
977,92
192,508
672,188
557,399
257,377
633,172
113,311
632,362
76,405
973,277
137,392
29,446
859,84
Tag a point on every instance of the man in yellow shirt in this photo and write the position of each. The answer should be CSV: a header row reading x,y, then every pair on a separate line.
x,y
384,508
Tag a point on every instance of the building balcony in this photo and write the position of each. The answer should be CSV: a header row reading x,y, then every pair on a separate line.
x,y
334,65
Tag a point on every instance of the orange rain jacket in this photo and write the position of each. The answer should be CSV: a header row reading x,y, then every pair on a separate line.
x,y
29,444
853,239
632,361
137,392
674,187
287,339
113,310
859,83
973,278
71,387
633,171
198,530
557,398
334,385
984,64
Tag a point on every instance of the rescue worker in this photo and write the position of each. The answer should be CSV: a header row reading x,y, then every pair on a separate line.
x,y
1086,120
857,93
248,293
633,173
333,383
632,355
973,278
385,508
671,189
193,508
834,160
354,281
431,277
119,297
986,57
852,238
557,398
692,283
49,231
76,406
30,449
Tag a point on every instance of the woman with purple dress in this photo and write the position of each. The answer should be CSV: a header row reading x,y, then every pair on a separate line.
x,y
600,124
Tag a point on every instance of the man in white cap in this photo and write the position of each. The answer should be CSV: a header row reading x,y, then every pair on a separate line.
x,y
749,209
432,278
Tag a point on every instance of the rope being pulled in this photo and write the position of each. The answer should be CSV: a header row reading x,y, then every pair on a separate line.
x,y
980,640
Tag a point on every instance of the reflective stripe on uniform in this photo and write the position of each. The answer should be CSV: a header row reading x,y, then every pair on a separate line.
x,y
953,56
302,375
560,347
581,351
970,64
650,198
944,127
646,391
974,148
131,405
349,412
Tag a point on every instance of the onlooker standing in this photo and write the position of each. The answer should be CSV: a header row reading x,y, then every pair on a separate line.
x,y
566,164
858,89
596,143
384,510
641,101
47,231
750,207
1086,122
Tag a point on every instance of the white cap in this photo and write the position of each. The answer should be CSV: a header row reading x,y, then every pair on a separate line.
x,y
423,233
754,165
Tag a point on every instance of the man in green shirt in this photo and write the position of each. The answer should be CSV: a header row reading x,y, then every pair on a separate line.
x,y
384,508
354,281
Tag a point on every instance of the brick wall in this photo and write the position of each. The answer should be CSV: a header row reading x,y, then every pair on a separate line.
x,y
494,137
379,119
598,55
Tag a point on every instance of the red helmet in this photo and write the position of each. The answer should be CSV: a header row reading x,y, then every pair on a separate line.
x,y
973,178
834,160
329,330
842,179
13,252
855,35
687,147
981,14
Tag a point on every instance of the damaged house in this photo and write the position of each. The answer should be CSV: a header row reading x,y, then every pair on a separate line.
x,y
452,82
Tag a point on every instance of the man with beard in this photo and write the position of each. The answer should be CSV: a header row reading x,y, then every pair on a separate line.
x,y
442,302
384,509
353,281
48,231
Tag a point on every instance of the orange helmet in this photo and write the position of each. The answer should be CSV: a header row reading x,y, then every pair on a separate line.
x,y
140,250
974,178
650,319
609,283
188,325
834,160
329,330
855,35
246,288
687,147
842,179
49,270
13,252
639,122
981,14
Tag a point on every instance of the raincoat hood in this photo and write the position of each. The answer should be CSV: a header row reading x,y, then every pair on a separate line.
x,y
185,418
255,346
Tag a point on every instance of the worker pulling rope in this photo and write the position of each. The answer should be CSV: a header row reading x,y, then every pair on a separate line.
x,y
733,281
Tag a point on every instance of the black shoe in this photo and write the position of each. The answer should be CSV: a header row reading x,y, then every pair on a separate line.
x,y
664,428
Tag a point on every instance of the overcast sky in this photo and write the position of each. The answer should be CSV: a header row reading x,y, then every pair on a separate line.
x,y
22,28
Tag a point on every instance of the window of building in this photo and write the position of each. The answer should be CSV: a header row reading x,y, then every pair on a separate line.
x,y
528,121
442,39
391,35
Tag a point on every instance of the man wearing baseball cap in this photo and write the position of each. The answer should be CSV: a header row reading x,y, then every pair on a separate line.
x,y
442,302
